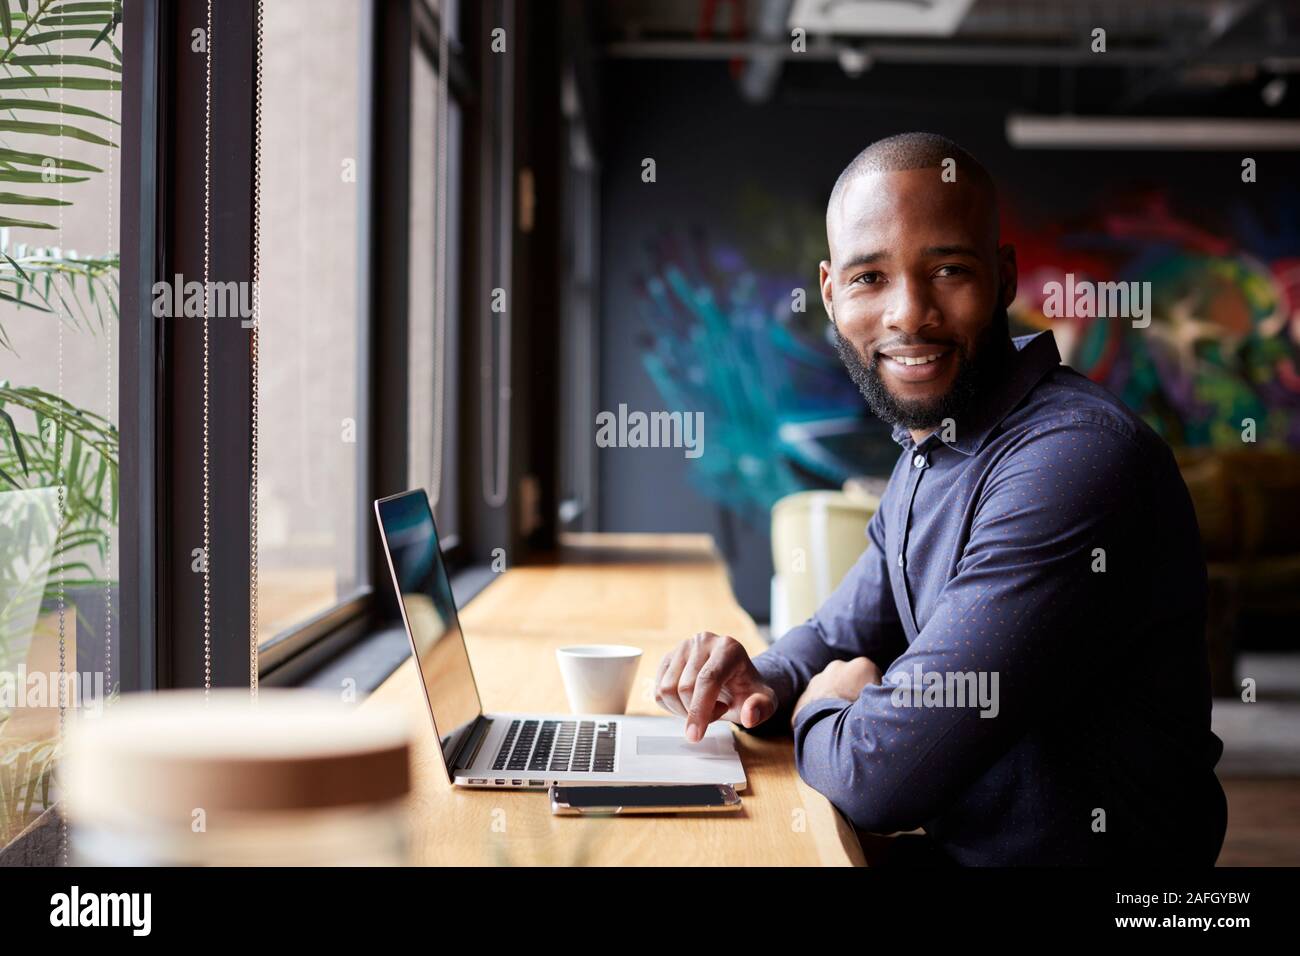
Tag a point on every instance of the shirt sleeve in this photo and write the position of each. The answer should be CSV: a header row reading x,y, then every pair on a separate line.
x,y
859,619
1009,631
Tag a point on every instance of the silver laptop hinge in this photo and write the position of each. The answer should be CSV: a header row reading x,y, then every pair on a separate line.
x,y
470,744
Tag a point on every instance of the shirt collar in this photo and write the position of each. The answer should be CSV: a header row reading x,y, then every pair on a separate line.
x,y
1036,355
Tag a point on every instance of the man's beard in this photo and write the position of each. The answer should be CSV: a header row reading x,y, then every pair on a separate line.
x,y
974,373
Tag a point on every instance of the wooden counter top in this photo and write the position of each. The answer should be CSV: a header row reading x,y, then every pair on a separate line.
x,y
646,590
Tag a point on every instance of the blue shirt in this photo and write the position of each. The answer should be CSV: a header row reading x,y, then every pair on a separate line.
x,y
1034,591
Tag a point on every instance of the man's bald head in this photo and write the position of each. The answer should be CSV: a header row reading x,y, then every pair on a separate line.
x,y
918,151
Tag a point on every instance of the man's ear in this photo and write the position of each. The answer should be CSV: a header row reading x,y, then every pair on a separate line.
x,y
1008,275
825,279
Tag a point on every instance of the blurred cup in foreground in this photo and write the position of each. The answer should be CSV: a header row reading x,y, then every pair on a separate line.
x,y
295,778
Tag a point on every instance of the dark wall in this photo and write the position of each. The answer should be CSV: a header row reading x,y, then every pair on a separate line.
x,y
709,145
698,132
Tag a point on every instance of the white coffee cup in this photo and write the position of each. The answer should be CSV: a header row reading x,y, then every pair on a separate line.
x,y
598,677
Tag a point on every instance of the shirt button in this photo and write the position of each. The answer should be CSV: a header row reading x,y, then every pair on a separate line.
x,y
900,559
919,461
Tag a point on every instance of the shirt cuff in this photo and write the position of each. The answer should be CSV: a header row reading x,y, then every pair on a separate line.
x,y
781,677
814,711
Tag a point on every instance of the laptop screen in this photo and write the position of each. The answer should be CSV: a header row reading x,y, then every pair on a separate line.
x,y
430,611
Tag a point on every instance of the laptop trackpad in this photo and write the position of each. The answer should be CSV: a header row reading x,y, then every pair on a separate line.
x,y
681,747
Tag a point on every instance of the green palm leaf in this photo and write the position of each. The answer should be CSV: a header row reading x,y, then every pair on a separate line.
x,y
17,199
39,159
57,82
46,59
23,176
25,223
54,106
53,129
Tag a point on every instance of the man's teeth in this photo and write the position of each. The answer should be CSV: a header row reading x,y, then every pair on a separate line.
x,y
924,360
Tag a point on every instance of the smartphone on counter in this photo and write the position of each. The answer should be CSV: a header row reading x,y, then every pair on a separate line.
x,y
674,798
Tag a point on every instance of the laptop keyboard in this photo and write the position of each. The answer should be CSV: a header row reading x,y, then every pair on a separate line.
x,y
564,746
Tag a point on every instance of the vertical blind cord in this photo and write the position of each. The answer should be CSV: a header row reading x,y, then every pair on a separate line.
x,y
60,477
255,393
207,304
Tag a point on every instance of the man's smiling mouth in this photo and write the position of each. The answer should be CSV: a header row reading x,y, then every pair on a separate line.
x,y
904,360
916,354
914,365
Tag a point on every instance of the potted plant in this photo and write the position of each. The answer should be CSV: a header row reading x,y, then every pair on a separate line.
x,y
50,51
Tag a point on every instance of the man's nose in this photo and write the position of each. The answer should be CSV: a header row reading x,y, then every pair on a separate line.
x,y
911,308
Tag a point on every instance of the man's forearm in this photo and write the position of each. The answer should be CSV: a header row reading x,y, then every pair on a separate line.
x,y
846,761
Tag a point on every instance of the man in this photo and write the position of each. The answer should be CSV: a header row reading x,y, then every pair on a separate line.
x,y
1016,663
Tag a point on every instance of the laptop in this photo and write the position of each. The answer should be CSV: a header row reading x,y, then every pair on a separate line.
x,y
525,750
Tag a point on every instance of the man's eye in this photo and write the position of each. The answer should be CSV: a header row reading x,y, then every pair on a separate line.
x,y
952,270
869,278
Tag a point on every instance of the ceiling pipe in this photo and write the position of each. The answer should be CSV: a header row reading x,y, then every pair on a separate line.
x,y
954,53
762,70
1144,133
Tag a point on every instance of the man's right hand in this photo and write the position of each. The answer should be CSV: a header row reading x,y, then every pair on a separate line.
x,y
710,677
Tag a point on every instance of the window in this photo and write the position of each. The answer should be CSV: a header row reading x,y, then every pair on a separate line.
x,y
59,240
348,180
433,288
313,522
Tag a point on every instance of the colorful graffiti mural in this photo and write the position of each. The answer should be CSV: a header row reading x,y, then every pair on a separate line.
x,y
737,343
726,332
1223,343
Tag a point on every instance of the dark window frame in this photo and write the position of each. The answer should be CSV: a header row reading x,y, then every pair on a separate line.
x,y
162,235
144,102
